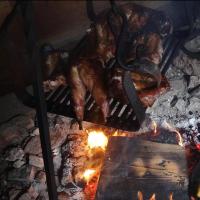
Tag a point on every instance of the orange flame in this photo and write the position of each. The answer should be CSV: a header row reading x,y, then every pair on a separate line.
x,y
140,196
88,174
116,133
119,133
97,139
154,126
153,197
180,139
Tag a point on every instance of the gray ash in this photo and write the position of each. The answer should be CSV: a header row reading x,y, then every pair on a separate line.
x,y
180,105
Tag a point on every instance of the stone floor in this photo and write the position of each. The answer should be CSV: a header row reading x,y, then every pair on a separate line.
x,y
22,173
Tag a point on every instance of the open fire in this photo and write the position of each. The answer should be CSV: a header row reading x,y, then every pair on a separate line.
x,y
182,122
83,153
97,141
172,129
155,130
87,175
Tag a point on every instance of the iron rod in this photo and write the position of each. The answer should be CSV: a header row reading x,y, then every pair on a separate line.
x,y
34,54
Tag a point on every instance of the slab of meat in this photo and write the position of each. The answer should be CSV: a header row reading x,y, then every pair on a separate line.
x,y
88,74
88,68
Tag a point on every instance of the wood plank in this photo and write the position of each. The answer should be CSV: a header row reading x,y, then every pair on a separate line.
x,y
132,164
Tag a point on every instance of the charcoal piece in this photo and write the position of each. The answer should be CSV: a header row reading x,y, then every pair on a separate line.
x,y
192,91
187,79
174,101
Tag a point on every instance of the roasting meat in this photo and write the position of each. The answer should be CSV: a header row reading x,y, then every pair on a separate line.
x,y
88,75
88,69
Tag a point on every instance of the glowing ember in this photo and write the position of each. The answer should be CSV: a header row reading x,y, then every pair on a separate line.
x,y
97,139
87,175
198,146
180,142
90,190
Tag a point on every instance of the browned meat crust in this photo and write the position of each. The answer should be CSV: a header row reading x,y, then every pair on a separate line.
x,y
87,70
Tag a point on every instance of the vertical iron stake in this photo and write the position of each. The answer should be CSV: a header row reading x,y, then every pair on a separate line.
x,y
34,54
44,132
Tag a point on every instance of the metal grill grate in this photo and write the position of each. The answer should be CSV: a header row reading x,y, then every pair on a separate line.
x,y
121,115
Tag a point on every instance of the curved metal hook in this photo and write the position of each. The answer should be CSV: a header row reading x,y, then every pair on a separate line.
x,y
122,46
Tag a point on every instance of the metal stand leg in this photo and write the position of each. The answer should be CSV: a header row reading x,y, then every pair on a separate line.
x,y
33,50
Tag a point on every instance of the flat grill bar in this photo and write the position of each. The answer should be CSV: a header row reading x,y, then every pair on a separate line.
x,y
59,95
59,102
67,92
51,94
89,102
125,113
122,110
114,108
88,96
91,105
118,110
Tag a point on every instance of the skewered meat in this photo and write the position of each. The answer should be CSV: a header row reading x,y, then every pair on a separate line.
x,y
88,68
88,74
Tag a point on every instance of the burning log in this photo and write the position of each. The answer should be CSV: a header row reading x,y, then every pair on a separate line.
x,y
154,167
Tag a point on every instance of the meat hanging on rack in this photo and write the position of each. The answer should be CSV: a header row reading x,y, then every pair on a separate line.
x,y
88,67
